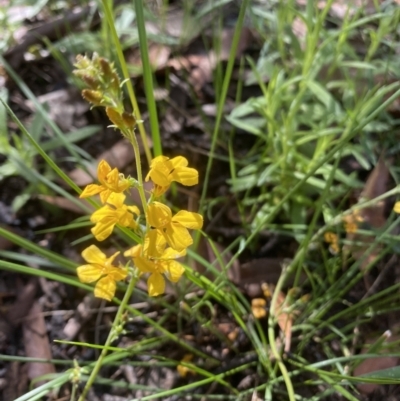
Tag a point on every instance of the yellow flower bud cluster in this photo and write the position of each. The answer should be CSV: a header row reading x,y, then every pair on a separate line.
x,y
165,236
105,89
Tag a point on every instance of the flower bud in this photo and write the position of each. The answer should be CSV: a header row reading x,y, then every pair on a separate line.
x,y
95,97
106,69
115,117
129,119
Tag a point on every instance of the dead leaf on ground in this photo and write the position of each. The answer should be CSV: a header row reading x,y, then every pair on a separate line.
x,y
4,242
66,204
202,64
205,250
252,274
341,8
16,381
374,364
158,56
284,319
10,320
66,108
373,216
119,156
84,312
36,343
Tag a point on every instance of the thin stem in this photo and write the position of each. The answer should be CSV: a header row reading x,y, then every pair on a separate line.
x,y
148,78
222,98
110,338
132,139
127,78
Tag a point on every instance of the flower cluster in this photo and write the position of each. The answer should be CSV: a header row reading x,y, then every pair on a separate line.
x,y
333,240
165,236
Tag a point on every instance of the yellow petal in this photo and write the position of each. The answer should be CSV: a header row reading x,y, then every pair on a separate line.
x,y
171,253
397,207
90,190
105,288
158,215
134,209
118,273
134,252
92,254
116,199
125,218
102,170
158,159
158,190
123,185
104,195
144,265
185,175
109,260
113,179
89,273
179,161
178,237
191,220
103,212
174,270
156,284
104,228
160,174
154,244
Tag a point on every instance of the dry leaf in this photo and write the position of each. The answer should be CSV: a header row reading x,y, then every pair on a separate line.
x,y
373,365
66,204
374,216
284,319
66,108
36,343
118,156
83,313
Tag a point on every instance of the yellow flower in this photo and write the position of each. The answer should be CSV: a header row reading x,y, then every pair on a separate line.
x,y
174,228
161,262
164,170
100,267
114,212
352,221
110,180
184,370
396,207
333,241
259,307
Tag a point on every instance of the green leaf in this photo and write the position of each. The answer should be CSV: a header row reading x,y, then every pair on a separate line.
x,y
389,373
324,97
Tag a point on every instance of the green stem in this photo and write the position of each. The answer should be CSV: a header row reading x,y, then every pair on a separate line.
x,y
222,98
132,139
128,81
110,338
148,78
